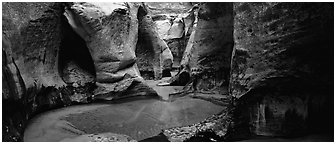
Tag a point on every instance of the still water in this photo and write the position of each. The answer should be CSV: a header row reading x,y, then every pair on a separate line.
x,y
138,119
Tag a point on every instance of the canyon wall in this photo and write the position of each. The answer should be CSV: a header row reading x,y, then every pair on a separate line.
x,y
60,54
154,55
275,60
207,56
31,41
282,68
171,21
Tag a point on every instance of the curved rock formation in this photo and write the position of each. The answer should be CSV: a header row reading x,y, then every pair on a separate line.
x,y
282,68
31,40
40,71
274,58
151,45
111,36
207,56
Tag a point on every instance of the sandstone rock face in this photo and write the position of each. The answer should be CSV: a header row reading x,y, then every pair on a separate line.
x,y
208,52
110,32
169,7
58,54
152,45
177,29
25,32
75,62
169,20
177,47
282,67
51,58
31,37
170,28
163,26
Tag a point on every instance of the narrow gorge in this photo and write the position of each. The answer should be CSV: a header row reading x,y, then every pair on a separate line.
x,y
167,71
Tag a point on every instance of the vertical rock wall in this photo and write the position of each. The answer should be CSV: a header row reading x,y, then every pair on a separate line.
x,y
40,71
152,46
31,39
208,53
281,72
171,20
34,38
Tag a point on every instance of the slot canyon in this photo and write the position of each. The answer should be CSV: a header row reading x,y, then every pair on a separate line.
x,y
167,71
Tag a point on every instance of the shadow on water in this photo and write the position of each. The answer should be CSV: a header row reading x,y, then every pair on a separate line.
x,y
137,117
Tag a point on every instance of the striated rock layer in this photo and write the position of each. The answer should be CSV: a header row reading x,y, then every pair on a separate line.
x,y
281,72
110,32
207,57
152,51
172,21
59,54
31,40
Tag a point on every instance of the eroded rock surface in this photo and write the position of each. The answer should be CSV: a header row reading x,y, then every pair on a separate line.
x,y
31,37
282,67
152,51
172,22
111,37
42,70
207,56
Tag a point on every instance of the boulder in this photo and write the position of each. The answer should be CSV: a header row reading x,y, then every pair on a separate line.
x,y
163,27
170,28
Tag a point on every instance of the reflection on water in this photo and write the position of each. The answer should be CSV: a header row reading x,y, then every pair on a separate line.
x,y
138,119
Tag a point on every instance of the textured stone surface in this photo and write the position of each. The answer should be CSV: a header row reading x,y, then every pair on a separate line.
x,y
42,70
111,34
31,37
170,28
169,7
282,67
34,39
151,48
177,29
103,137
217,124
173,26
208,53
75,63
177,47
163,27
